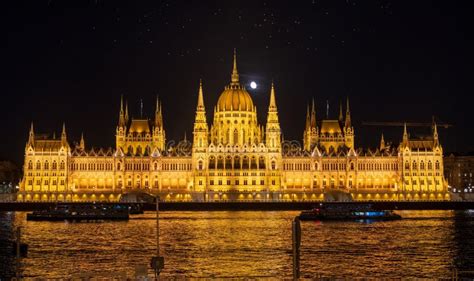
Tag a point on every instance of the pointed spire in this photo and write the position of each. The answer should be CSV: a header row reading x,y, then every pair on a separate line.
x,y
82,144
122,122
126,112
382,143
348,115
200,105
272,106
313,115
235,74
31,137
341,117
63,135
308,120
435,134
185,138
405,133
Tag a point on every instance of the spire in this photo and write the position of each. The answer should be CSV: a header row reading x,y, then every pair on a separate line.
x,y
327,109
63,134
308,120
126,112
200,105
348,115
82,143
185,138
158,114
313,115
31,137
272,106
235,74
141,108
382,143
435,134
405,133
121,114
341,117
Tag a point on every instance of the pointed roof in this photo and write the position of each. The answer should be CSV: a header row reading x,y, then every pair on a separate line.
x,y
348,115
308,120
82,142
235,74
272,106
313,115
200,104
382,143
63,132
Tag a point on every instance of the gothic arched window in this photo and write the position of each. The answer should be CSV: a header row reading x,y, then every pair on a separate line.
x,y
38,165
55,165
62,165
236,162
437,166
236,136
30,165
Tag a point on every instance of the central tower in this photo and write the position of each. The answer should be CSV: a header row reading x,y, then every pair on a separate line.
x,y
235,116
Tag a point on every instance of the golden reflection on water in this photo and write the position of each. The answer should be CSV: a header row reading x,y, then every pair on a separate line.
x,y
244,244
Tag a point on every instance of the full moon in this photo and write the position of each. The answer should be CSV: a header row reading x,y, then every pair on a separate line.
x,y
253,85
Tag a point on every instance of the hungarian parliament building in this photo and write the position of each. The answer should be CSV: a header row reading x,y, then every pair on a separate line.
x,y
233,159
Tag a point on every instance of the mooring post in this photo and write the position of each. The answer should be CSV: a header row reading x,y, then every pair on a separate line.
x,y
296,239
158,262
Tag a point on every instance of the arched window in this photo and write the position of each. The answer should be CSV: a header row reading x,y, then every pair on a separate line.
x,y
236,162
38,165
422,165
30,165
228,163
407,165
199,165
245,163
46,165
273,165
437,165
430,165
414,165
155,166
261,162
118,166
352,166
212,163
253,163
236,136
220,163
55,165
62,165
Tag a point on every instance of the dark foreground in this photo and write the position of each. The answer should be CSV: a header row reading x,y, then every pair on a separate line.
x,y
263,206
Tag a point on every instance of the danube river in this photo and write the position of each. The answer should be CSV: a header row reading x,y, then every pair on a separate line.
x,y
425,244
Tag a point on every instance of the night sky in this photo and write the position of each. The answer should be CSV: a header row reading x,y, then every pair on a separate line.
x,y
70,61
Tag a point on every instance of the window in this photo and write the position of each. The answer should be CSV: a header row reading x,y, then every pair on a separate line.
x,y
407,165
273,165
414,167
430,165
199,165
62,165
38,165
30,165
437,166
55,165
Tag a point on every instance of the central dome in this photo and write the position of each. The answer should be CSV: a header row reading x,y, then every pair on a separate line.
x,y
235,97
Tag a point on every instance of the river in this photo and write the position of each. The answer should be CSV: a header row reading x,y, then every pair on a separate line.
x,y
425,244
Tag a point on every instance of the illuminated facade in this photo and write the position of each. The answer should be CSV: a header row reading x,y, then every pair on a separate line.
x,y
233,159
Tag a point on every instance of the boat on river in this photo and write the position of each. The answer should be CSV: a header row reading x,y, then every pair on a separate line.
x,y
82,212
348,212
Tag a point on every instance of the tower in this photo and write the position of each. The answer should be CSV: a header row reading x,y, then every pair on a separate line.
x,y
122,126
311,133
273,132
159,136
201,131
348,129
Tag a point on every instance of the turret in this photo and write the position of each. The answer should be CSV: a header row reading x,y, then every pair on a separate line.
x,y
348,122
159,137
63,135
201,131
82,144
435,135
382,143
122,121
273,132
31,136
311,133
